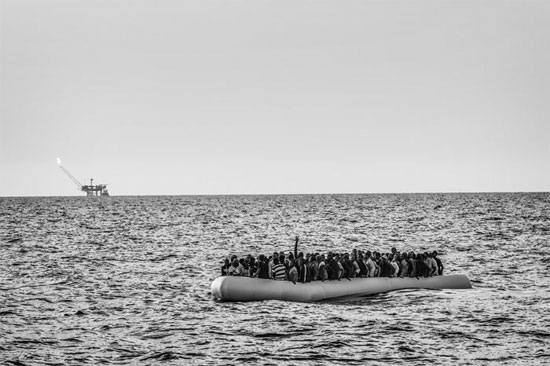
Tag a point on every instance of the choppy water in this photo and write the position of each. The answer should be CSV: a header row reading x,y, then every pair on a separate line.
x,y
126,280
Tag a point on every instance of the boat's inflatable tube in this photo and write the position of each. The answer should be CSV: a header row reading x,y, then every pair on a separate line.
x,y
230,288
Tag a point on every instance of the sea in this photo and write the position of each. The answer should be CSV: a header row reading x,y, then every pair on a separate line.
x,y
126,280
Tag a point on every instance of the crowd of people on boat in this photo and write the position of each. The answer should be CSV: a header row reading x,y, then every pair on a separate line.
x,y
300,267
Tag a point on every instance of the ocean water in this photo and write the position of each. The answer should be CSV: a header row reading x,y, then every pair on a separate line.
x,y
126,280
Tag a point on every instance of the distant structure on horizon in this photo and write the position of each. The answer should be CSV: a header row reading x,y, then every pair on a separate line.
x,y
91,190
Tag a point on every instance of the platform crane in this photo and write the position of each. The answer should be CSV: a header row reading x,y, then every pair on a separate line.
x,y
91,190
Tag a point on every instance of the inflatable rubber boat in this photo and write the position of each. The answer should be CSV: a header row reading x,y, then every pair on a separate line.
x,y
230,288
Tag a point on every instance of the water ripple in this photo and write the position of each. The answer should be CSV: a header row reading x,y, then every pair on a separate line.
x,y
126,280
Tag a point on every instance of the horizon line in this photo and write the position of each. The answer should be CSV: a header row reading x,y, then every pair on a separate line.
x,y
279,194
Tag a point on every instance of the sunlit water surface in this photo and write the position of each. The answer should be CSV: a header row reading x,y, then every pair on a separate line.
x,y
126,280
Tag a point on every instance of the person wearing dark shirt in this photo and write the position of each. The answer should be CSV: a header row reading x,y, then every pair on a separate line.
x,y
225,267
348,267
412,264
439,263
262,270
312,269
302,268
421,267
362,266
386,268
333,269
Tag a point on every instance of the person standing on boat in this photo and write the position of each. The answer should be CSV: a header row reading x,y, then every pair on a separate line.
x,y
432,265
252,265
312,268
421,267
301,266
363,271
332,267
292,272
412,264
386,269
278,270
323,275
243,268
370,264
404,265
262,270
235,268
439,263
395,266
270,265
356,267
225,267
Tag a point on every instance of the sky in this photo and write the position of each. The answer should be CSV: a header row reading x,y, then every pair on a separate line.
x,y
274,96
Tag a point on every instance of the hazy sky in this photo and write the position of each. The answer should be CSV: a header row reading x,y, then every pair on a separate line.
x,y
273,96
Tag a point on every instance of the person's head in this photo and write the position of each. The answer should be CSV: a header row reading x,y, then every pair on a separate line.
x,y
226,262
368,254
393,250
235,262
434,254
281,258
275,260
261,257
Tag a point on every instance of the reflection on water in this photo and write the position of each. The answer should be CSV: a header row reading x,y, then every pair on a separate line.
x,y
127,279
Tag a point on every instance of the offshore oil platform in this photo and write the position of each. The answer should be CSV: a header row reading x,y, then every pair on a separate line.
x,y
91,189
